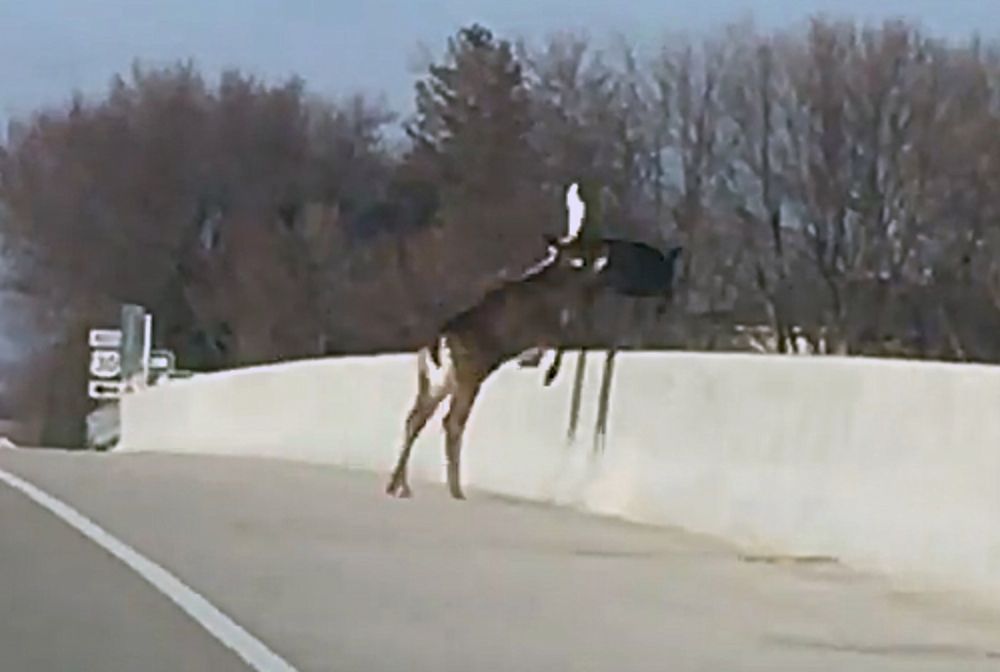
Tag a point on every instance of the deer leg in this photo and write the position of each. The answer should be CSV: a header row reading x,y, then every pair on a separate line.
x,y
601,428
427,402
553,371
574,405
454,428
640,323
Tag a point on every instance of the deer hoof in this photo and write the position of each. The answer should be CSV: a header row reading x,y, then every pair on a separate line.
x,y
397,489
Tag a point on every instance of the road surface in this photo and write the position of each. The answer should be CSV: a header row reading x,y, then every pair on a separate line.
x,y
328,573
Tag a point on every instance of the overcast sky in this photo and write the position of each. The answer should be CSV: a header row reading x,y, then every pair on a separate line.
x,y
50,47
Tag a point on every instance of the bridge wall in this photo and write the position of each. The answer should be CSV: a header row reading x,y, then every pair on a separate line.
x,y
891,466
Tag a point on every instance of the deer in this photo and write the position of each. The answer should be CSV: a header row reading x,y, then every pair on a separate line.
x,y
535,310
531,313
624,269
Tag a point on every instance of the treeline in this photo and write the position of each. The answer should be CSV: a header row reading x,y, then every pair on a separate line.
x,y
837,179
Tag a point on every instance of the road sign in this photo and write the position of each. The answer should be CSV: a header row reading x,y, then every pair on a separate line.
x,y
105,364
123,360
162,360
106,338
105,389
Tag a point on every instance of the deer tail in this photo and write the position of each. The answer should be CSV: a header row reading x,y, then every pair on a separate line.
x,y
434,350
432,375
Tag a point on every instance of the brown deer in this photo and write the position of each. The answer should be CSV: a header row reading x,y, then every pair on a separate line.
x,y
535,310
529,314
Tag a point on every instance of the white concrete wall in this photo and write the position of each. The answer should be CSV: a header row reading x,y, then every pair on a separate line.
x,y
887,465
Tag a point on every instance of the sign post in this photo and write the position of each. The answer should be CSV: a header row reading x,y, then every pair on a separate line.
x,y
133,329
124,360
147,346
121,361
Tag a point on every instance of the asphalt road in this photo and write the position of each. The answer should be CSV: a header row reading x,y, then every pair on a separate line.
x,y
332,575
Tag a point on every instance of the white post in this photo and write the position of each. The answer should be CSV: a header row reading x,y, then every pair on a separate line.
x,y
147,346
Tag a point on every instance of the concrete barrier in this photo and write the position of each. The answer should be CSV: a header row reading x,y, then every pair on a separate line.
x,y
890,466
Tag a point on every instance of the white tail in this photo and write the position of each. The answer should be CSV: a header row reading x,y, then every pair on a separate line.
x,y
432,378
577,210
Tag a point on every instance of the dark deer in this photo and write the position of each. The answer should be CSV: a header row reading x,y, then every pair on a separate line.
x,y
624,268
536,310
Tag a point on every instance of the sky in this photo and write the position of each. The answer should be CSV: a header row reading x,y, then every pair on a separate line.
x,y
49,48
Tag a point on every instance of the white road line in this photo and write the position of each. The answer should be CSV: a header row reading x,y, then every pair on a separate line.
x,y
254,652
